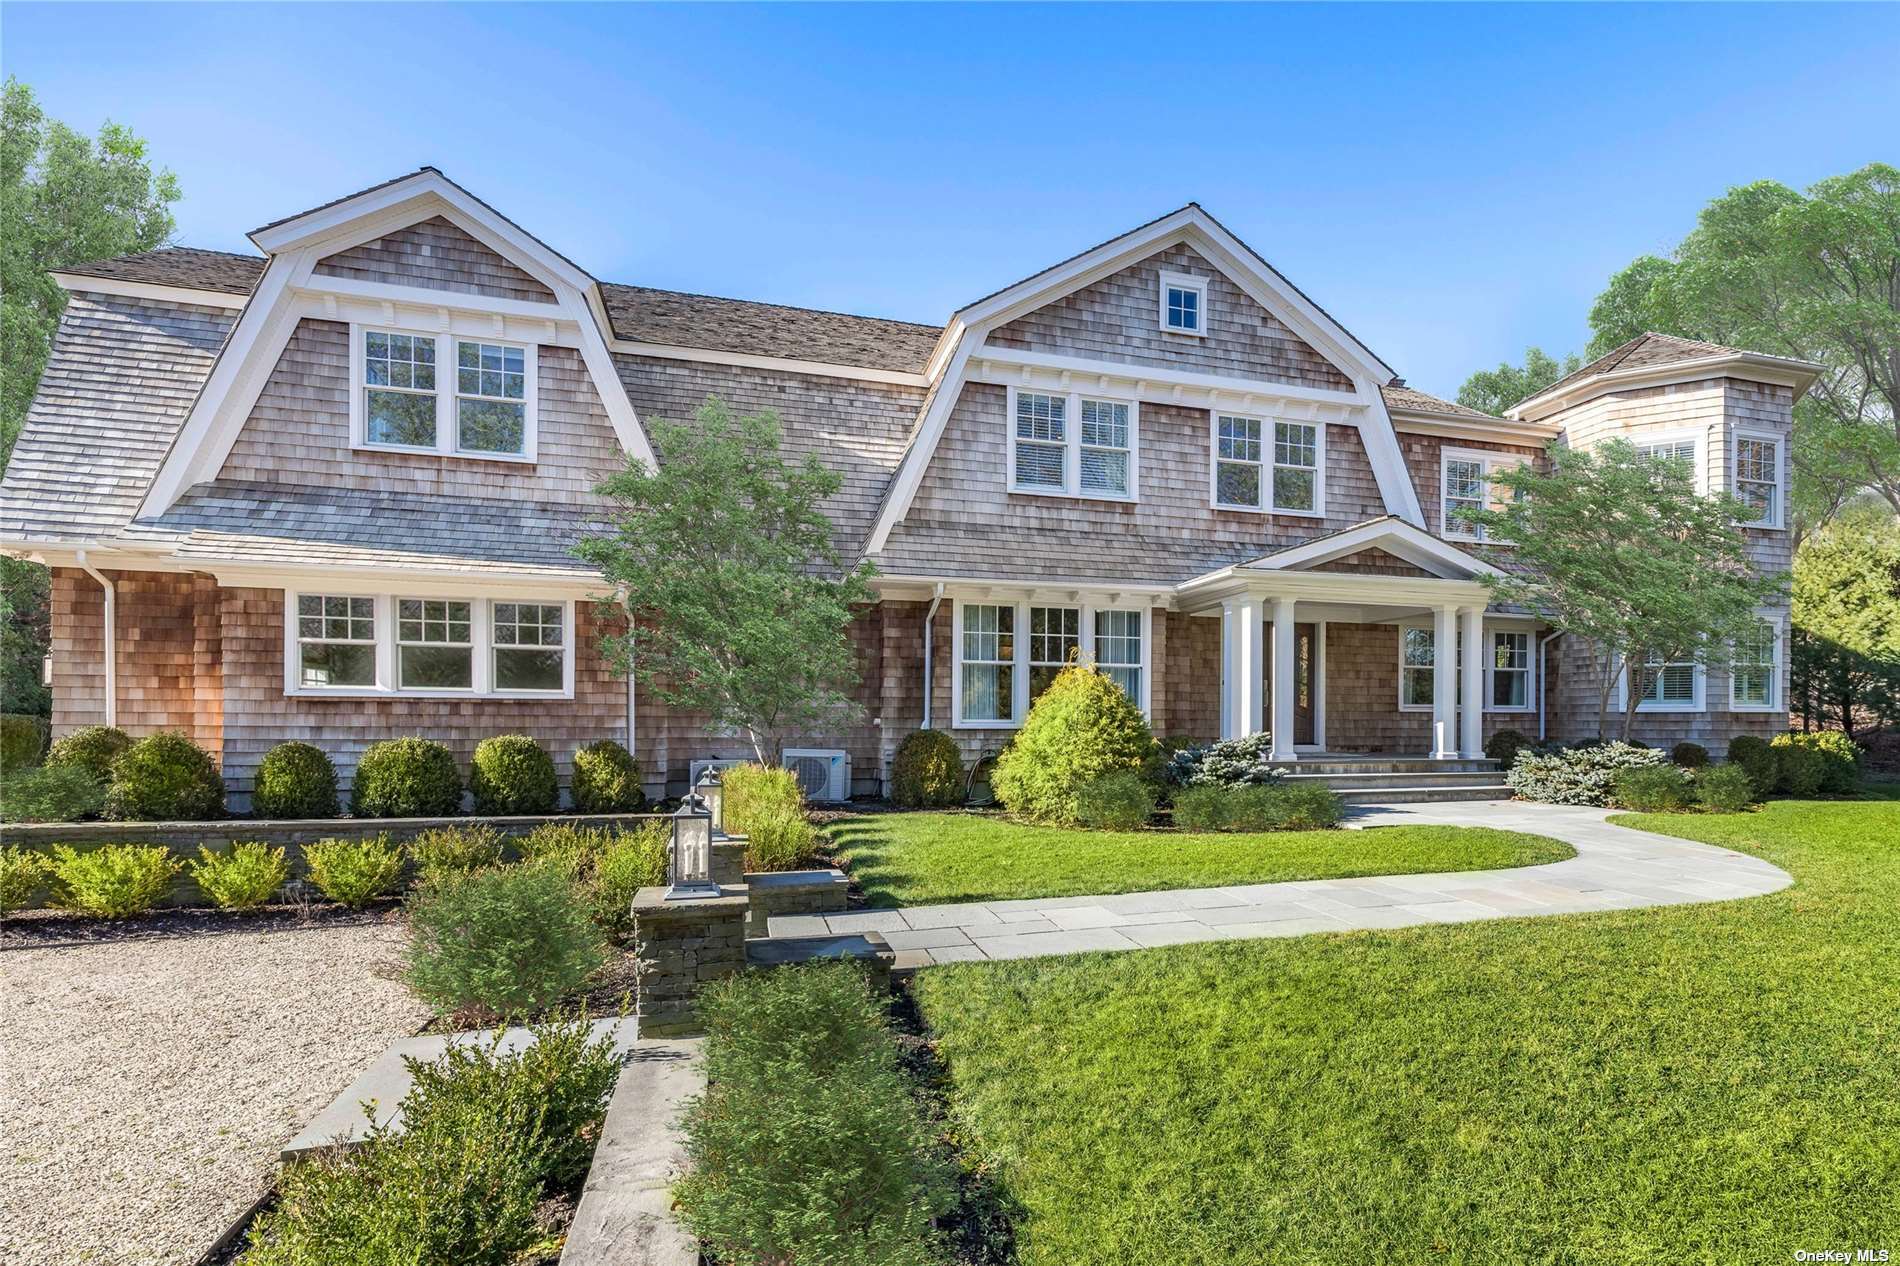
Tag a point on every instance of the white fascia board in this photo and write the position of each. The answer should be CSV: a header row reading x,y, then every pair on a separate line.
x,y
79,283
606,376
443,581
1452,427
1389,470
1798,375
425,297
1363,592
774,364
1006,366
901,586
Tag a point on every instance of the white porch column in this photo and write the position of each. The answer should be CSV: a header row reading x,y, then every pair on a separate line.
x,y
1471,720
1283,689
1243,667
1228,654
1445,684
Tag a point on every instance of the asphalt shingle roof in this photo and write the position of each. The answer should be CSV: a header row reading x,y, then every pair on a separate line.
x,y
1412,398
184,266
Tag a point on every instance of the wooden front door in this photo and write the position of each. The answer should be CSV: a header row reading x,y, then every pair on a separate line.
x,y
1306,683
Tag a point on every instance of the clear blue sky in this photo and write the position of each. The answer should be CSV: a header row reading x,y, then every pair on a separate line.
x,y
1453,183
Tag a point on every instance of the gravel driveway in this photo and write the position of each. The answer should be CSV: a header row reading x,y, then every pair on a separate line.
x,y
150,1072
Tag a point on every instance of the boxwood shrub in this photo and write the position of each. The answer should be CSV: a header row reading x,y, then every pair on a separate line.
x,y
927,771
1204,808
606,780
165,778
294,780
1581,775
1506,746
51,793
1839,759
512,774
22,740
453,850
1724,788
1121,801
1800,770
1653,788
1081,727
1761,761
114,881
406,778
507,941
92,748
1689,755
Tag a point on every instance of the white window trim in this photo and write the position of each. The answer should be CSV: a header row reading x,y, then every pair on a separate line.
x,y
446,430
1775,688
1778,521
481,632
1698,461
1698,704
1489,638
1019,702
1181,281
1072,446
1428,627
1488,461
1487,631
1268,452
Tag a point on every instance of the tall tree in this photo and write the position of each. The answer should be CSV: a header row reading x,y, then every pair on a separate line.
x,y
1495,390
1847,623
1621,551
1812,275
725,562
64,199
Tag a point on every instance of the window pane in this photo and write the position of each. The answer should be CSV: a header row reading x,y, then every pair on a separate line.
x,y
1105,424
1040,417
1295,444
1040,675
517,669
1129,679
1055,633
436,667
1104,470
1417,685
1416,647
1039,465
1510,688
1118,638
987,692
1237,485
400,417
490,426
1240,439
1464,481
1293,489
327,664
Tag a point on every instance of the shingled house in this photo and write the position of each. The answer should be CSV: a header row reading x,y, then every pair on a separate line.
x,y
329,492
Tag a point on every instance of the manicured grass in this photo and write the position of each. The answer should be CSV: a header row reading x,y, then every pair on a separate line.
x,y
907,859
1712,1084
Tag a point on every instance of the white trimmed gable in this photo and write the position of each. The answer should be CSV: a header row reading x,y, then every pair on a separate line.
x,y
1390,535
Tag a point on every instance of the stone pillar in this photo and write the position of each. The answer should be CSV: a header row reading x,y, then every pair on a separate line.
x,y
1445,684
1284,691
682,946
1471,720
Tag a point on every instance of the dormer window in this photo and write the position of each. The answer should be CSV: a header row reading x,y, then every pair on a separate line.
x,y
402,403
1183,304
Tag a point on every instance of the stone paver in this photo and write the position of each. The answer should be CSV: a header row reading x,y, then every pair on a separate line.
x,y
1615,869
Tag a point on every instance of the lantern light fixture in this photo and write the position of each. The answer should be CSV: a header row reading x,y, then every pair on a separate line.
x,y
691,867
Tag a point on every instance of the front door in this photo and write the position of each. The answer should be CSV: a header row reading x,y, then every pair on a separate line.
x,y
1304,683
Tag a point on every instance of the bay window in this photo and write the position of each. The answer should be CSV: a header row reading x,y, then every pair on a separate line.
x,y
1073,445
1273,467
999,674
402,644
485,410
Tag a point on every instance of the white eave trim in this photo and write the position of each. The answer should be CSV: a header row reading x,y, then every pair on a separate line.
x,y
777,364
1395,536
1798,375
1451,426
80,283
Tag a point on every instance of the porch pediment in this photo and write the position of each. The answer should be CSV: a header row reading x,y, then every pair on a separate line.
x,y
1387,546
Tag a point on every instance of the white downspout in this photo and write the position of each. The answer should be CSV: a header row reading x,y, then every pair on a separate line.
x,y
930,619
111,637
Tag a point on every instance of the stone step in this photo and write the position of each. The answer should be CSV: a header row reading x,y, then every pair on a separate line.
x,y
1423,795
1391,765
1436,778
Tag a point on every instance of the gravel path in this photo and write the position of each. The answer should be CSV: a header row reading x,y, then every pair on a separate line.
x,y
149,1073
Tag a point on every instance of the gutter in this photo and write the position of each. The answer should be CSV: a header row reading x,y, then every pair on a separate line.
x,y
930,618
111,636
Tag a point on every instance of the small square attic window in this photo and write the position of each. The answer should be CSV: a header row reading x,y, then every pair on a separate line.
x,y
1183,304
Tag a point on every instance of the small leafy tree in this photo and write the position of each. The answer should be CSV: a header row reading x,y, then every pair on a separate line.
x,y
1846,661
1495,390
724,559
1621,550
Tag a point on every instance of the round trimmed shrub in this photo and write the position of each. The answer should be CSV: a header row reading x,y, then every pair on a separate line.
x,y
1689,755
1653,788
1207,807
294,780
92,748
406,778
1760,761
1724,788
1840,758
165,778
1082,727
1801,769
1121,801
607,780
927,772
22,739
512,774
1504,747
501,942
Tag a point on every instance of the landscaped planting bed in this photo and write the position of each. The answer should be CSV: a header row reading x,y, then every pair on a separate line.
x,y
1717,1082
905,859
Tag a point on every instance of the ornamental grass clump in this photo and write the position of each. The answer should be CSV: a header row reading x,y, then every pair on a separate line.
x,y
295,780
750,793
52,793
927,771
1654,788
406,778
606,866
165,778
606,779
1581,775
1080,728
488,1137
780,839
21,872
507,941
511,774
244,878
808,1145
114,881
354,873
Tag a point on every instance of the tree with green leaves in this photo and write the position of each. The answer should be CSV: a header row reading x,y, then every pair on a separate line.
x,y
1495,390
1814,276
723,557
1620,551
1846,661
65,198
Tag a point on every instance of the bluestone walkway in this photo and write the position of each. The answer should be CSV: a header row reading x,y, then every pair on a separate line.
x,y
1615,868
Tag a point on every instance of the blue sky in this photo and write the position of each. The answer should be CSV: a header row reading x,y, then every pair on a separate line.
x,y
1453,183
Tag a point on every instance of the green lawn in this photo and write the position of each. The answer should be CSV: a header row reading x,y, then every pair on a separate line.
x,y
907,859
1709,1084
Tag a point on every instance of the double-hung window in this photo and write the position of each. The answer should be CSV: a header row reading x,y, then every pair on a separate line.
x,y
1268,466
1510,670
529,645
336,641
485,408
1009,652
1055,639
1758,479
1072,445
1118,649
988,648
1417,666
1465,484
1753,671
1676,450
1183,304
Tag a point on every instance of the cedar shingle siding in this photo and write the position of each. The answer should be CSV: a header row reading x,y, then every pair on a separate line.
x,y
437,256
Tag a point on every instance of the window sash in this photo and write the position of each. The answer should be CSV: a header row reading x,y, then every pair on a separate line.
x,y
1753,668
1667,681
1118,649
1758,476
1184,308
1055,640
1106,446
528,646
1510,669
1280,477
336,642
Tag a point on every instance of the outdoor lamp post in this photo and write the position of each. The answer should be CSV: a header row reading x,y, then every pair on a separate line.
x,y
691,877
709,790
